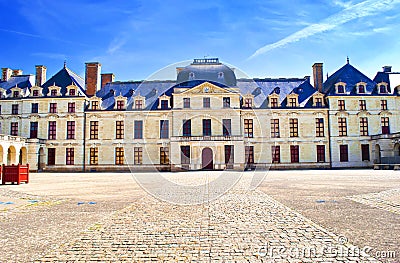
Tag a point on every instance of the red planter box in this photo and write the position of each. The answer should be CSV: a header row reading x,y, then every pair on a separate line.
x,y
15,173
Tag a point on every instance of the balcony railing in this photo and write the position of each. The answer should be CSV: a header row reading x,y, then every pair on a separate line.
x,y
206,138
11,138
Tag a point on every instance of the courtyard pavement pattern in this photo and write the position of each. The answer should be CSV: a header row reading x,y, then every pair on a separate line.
x,y
109,218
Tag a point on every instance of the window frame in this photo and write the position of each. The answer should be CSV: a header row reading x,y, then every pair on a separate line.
x,y
119,130
293,127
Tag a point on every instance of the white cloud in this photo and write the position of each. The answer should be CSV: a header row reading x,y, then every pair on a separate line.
x,y
363,9
116,44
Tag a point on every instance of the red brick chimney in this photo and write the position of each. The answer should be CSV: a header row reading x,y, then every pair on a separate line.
x,y
17,72
6,74
318,76
106,78
40,75
92,77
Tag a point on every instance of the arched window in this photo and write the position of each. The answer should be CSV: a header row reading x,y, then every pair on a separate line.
x,y
361,89
221,75
340,89
191,75
382,89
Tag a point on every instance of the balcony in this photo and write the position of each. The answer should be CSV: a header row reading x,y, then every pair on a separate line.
x,y
206,138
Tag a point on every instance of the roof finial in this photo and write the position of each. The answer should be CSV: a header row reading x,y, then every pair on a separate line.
x,y
348,60
65,63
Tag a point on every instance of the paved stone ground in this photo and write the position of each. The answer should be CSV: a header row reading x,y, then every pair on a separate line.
x,y
110,221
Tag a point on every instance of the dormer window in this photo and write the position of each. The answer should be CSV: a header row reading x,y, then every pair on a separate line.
x,y
221,75
35,93
274,102
248,103
361,89
191,76
382,89
95,105
120,104
318,102
138,104
72,92
164,104
53,93
340,88
292,102
15,94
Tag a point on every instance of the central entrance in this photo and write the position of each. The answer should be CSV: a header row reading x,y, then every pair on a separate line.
x,y
207,159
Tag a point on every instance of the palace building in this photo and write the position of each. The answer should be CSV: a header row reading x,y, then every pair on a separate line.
x,y
206,118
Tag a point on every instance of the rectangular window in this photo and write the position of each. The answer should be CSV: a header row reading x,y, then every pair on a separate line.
x,y
226,102
249,154
72,92
318,102
52,132
119,155
53,108
187,128
94,156
69,156
95,105
94,130
364,126
276,154
206,127
51,156
164,155
293,127
344,153
248,128
383,104
34,130
120,104
35,93
292,102
186,103
342,122
71,107
275,128
164,104
321,153
229,154
294,153
248,103
365,152
14,129
185,154
53,93
70,130
138,104
138,130
16,94
119,129
164,129
137,155
319,127
385,125
226,127
206,103
341,105
274,102
363,105
35,108
14,109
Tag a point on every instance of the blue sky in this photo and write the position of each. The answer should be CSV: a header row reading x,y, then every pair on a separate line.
x,y
133,39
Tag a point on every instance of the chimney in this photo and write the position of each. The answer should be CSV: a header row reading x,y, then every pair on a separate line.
x,y
387,68
40,75
318,76
17,72
92,77
6,74
106,78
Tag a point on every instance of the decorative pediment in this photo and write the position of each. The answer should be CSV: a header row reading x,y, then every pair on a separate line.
x,y
342,113
72,90
36,91
206,88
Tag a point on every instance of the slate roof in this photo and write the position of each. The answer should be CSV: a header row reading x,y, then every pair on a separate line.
x,y
63,79
351,76
21,81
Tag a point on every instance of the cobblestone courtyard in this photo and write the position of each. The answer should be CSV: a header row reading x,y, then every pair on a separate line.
x,y
293,216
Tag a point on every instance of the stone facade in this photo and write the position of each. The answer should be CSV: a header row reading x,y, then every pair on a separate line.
x,y
206,120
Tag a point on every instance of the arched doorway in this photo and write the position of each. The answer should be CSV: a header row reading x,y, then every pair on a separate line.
x,y
377,153
1,155
23,156
11,155
207,162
